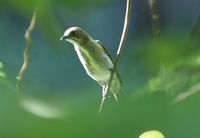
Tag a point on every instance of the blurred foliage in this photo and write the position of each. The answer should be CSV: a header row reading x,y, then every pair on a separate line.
x,y
163,81
47,12
59,116
28,5
2,73
54,115
177,76
5,85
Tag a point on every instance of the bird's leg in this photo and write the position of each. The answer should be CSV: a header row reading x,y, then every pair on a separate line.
x,y
101,105
115,96
104,93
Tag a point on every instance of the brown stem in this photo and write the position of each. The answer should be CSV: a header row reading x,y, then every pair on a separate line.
x,y
154,18
26,53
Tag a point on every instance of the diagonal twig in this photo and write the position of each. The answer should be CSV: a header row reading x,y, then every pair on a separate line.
x,y
192,90
26,53
121,45
192,39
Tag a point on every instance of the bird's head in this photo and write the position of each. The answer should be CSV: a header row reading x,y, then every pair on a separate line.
x,y
75,35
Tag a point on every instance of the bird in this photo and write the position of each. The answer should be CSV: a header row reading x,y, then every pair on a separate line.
x,y
96,61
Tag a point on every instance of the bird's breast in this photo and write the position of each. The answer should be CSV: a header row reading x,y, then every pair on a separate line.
x,y
96,63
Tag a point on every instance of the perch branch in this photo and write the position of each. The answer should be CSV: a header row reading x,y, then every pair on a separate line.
x,y
26,53
121,45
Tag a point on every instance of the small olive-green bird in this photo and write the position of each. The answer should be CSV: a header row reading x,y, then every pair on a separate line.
x,y
95,59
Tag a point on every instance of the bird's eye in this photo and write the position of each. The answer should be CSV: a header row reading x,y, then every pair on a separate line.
x,y
73,33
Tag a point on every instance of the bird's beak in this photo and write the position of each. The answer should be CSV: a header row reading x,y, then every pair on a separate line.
x,y
64,37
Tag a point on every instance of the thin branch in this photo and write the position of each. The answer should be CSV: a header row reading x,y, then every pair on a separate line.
x,y
182,96
121,46
26,53
196,88
122,40
124,33
154,18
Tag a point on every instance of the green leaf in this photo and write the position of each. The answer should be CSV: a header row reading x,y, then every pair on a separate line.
x,y
3,74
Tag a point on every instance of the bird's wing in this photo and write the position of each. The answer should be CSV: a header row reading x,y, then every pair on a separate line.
x,y
106,51
117,73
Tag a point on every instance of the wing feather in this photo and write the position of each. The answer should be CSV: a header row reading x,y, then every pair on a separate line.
x,y
106,51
